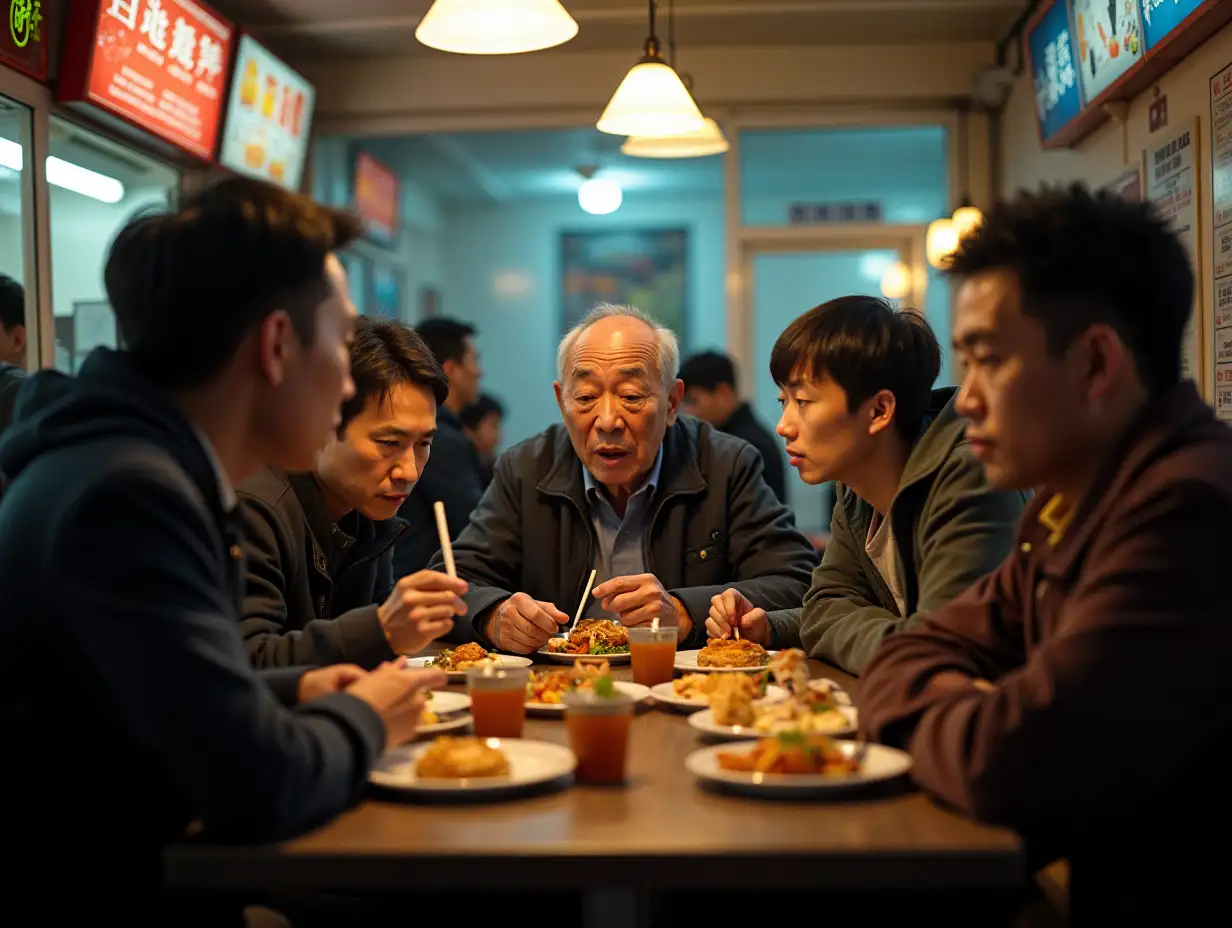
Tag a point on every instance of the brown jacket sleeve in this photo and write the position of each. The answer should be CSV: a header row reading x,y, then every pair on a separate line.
x,y
1137,645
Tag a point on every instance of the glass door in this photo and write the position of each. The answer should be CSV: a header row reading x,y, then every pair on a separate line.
x,y
18,293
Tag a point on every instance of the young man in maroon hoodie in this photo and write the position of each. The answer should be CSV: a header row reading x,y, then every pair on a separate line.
x,y
1080,693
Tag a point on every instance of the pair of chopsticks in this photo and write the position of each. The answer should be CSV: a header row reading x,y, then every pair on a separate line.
x,y
442,529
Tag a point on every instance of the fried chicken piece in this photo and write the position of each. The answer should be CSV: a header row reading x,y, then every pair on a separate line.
x,y
458,758
732,652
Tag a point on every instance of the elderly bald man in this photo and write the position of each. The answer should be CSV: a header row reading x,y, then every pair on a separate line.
x,y
669,511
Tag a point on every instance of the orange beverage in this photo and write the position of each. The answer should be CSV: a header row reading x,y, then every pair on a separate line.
x,y
598,730
653,654
498,700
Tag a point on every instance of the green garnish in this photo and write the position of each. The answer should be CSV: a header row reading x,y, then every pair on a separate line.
x,y
598,649
792,738
603,688
441,660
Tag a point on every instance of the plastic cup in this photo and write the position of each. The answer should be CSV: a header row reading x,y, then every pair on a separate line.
x,y
598,730
498,700
653,654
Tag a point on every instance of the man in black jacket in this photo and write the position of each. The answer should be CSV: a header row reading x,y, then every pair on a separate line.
x,y
12,346
710,394
128,706
320,544
452,476
665,509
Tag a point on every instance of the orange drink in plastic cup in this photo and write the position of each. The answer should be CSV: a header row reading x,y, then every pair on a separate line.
x,y
598,728
652,652
498,700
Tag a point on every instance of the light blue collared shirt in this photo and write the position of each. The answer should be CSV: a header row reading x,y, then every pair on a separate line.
x,y
621,551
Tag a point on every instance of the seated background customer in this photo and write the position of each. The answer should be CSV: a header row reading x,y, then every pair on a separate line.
x,y
915,522
481,423
1080,694
320,544
665,508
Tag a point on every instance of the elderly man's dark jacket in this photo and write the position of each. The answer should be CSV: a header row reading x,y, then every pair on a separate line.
x,y
714,524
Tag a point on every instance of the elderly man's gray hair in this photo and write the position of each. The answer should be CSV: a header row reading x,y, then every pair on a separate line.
x,y
669,347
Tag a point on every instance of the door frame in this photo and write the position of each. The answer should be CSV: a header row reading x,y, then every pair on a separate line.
x,y
751,241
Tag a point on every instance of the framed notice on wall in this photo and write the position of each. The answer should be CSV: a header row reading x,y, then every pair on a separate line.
x,y
1172,186
1221,240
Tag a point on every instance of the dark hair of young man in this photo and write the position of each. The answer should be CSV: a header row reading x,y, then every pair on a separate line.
x,y
864,345
446,338
1083,258
187,286
12,303
708,370
479,410
385,354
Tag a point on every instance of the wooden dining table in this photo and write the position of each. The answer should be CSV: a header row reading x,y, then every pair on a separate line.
x,y
661,831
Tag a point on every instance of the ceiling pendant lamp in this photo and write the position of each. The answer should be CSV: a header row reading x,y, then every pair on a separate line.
x,y
652,100
940,242
966,219
495,27
708,140
896,281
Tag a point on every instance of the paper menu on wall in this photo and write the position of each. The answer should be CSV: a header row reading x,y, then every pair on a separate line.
x,y
1221,240
1172,186
1109,37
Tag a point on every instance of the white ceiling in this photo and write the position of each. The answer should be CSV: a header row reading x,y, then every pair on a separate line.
x,y
483,168
328,28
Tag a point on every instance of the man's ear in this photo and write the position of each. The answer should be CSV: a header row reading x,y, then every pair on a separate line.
x,y
675,396
881,408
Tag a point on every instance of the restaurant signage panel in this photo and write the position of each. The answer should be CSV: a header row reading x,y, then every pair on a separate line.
x,y
1109,37
23,40
376,198
161,65
1161,17
268,116
1050,49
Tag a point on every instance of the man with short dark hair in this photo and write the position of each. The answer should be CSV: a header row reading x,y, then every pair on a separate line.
x,y
121,566
319,545
12,346
1080,694
710,394
452,476
916,523
481,423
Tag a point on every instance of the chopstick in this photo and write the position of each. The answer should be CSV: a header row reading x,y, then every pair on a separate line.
x,y
442,529
739,618
585,597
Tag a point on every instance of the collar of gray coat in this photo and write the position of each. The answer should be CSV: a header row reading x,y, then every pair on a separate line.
x,y
678,474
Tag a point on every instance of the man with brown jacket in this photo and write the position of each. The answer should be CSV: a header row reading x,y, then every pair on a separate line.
x,y
1081,694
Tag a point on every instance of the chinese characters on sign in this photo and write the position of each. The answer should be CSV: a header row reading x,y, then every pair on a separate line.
x,y
162,64
1161,17
801,213
21,44
268,116
1221,238
1172,187
1057,97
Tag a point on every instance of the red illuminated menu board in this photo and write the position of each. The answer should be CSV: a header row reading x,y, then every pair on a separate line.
x,y
376,198
160,65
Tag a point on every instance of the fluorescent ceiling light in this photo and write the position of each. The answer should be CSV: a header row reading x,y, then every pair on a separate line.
x,y
495,27
651,101
67,175
708,140
599,196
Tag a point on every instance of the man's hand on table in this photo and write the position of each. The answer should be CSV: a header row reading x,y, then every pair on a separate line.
x,y
639,599
421,609
397,695
523,625
732,609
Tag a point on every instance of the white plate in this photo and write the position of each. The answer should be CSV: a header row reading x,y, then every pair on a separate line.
x,y
452,723
666,694
635,690
443,702
687,662
459,676
880,764
555,657
704,722
531,764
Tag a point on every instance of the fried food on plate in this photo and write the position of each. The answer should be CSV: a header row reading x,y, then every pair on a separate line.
x,y
463,657
732,652
593,636
698,687
461,758
791,753
550,686
731,699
